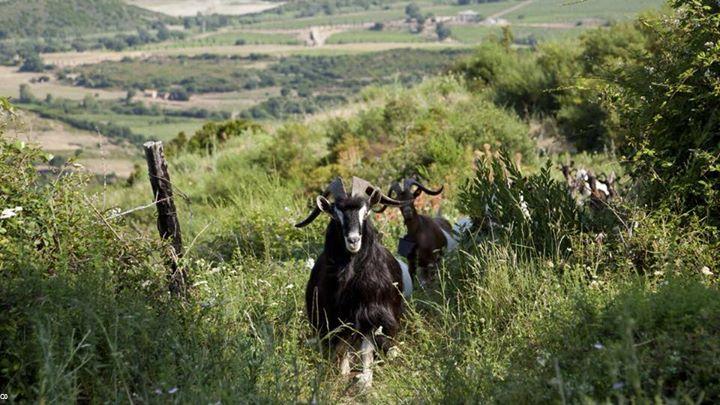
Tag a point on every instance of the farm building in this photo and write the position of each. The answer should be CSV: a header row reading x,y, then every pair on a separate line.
x,y
468,16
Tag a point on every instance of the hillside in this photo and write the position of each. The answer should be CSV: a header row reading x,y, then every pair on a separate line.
x,y
66,18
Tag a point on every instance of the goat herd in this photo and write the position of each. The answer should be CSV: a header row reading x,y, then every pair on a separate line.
x,y
354,298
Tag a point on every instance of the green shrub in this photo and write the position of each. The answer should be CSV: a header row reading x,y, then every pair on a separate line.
x,y
512,76
668,101
210,136
292,153
535,213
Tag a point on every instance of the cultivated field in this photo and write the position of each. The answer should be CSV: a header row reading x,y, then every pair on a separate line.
x,y
93,151
11,79
182,8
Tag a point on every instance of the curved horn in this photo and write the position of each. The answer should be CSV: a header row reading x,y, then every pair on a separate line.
x,y
394,187
426,190
336,189
385,200
307,221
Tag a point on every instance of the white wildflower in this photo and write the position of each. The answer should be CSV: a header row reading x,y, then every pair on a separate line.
x,y
289,286
310,263
173,390
705,270
158,391
709,44
10,212
524,208
598,346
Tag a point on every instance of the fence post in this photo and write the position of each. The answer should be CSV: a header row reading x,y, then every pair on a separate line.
x,y
167,221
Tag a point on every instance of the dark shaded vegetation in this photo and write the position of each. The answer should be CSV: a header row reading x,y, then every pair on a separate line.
x,y
29,27
71,18
667,103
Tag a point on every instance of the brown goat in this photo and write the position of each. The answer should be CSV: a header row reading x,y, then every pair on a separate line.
x,y
426,237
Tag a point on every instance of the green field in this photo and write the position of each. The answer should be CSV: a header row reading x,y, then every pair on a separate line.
x,y
562,11
201,74
151,127
368,36
395,11
236,37
475,34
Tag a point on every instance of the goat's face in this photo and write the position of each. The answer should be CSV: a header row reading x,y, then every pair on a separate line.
x,y
408,211
404,192
350,214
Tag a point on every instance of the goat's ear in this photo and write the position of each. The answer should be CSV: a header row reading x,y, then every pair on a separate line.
x,y
323,204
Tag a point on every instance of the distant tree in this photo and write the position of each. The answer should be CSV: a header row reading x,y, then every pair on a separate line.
x,y
79,45
90,103
378,26
129,96
26,95
443,31
412,11
49,99
163,33
32,63
179,94
507,37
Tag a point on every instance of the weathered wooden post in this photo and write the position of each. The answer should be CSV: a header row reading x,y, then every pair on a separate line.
x,y
167,221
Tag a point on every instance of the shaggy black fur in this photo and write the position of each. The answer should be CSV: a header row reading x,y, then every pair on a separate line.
x,y
362,290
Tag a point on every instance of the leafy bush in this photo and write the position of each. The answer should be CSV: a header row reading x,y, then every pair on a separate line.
x,y
562,80
668,101
210,136
32,63
292,153
512,76
535,213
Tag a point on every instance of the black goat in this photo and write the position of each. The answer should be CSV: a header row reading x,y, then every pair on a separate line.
x,y
354,288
